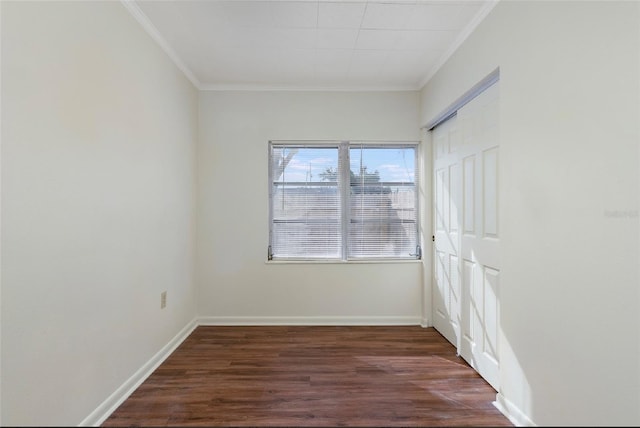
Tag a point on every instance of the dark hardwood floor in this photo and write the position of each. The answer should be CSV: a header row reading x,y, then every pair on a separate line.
x,y
312,376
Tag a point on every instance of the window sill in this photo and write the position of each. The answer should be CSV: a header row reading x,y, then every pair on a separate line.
x,y
341,262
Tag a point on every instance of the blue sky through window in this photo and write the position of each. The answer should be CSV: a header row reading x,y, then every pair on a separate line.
x,y
393,164
308,163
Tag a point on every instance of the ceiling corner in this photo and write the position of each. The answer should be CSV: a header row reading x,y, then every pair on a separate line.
x,y
146,24
466,32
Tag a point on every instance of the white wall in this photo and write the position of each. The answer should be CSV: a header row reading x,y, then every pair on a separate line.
x,y
233,278
99,134
569,110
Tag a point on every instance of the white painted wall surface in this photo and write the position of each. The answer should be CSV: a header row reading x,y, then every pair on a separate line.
x,y
234,279
99,134
569,111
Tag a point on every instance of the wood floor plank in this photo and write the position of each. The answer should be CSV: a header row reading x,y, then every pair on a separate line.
x,y
313,376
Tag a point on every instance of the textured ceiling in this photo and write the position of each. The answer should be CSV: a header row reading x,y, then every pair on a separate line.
x,y
309,44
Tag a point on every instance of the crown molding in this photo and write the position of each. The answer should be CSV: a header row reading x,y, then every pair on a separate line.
x,y
284,88
477,19
148,26
151,29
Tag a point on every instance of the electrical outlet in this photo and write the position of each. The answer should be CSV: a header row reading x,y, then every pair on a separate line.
x,y
163,300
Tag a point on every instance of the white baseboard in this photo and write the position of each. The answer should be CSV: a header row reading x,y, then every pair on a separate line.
x,y
108,406
512,412
424,323
381,320
104,410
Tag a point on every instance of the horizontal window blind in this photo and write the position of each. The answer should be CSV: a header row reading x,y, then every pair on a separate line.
x,y
305,202
343,201
382,202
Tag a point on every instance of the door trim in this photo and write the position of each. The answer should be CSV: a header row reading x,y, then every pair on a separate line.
x,y
476,90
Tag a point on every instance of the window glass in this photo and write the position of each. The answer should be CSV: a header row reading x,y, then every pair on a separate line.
x,y
306,214
382,202
343,201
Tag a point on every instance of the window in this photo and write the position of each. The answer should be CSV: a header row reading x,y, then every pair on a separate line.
x,y
343,201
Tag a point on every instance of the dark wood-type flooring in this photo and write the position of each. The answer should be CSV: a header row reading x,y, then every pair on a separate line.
x,y
312,376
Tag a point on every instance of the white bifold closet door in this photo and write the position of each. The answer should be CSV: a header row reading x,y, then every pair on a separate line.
x,y
466,303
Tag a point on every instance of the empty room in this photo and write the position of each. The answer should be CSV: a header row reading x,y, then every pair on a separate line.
x,y
319,213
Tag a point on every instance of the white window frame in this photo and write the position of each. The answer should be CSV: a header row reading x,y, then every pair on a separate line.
x,y
345,193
